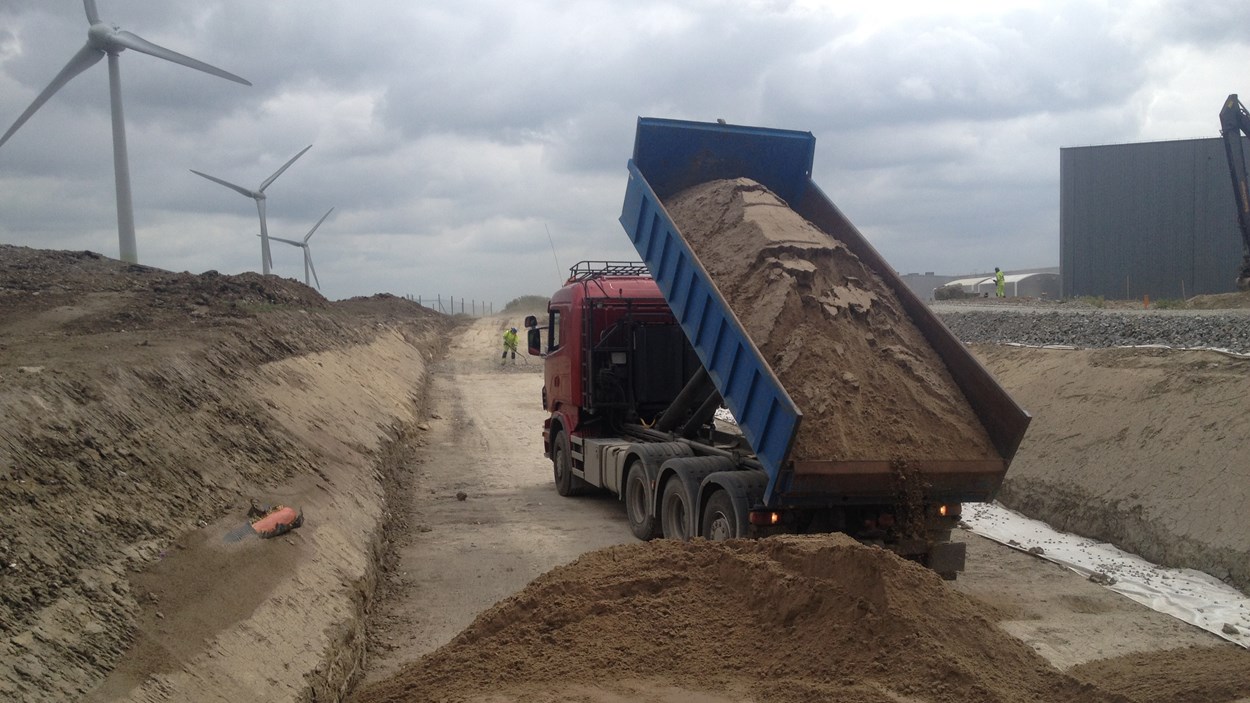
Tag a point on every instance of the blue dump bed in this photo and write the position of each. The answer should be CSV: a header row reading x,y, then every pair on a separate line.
x,y
672,155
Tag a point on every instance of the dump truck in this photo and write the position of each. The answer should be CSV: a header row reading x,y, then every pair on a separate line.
x,y
640,357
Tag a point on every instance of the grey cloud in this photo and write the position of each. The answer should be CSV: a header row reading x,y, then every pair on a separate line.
x,y
450,135
921,72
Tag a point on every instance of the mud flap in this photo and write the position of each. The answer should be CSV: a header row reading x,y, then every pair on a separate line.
x,y
947,558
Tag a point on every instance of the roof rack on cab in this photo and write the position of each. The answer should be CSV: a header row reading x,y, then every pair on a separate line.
x,y
586,270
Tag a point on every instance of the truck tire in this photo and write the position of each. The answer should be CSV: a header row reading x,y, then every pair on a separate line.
x,y
562,466
676,509
637,502
720,522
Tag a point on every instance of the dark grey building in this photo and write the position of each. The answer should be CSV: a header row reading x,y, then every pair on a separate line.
x,y
1155,218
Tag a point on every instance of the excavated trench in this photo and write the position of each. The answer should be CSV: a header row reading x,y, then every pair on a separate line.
x,y
1143,448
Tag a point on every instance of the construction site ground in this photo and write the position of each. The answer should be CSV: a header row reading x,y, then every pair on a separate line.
x,y
142,412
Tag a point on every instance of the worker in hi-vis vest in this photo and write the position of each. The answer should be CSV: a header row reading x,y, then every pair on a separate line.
x,y
1000,284
509,345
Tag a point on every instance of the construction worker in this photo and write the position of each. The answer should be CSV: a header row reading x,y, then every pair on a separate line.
x,y
1000,284
509,345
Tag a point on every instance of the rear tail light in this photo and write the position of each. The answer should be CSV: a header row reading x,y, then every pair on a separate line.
x,y
764,518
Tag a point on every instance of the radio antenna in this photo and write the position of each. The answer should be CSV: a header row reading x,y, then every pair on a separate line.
x,y
559,276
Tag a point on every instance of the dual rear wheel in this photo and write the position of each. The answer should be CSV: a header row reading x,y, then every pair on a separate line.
x,y
677,514
677,510
719,520
677,506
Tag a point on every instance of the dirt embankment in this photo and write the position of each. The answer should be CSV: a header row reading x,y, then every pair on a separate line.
x,y
140,412
1145,448
810,305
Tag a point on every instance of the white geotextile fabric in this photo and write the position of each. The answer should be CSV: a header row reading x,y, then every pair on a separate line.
x,y
1218,350
1192,596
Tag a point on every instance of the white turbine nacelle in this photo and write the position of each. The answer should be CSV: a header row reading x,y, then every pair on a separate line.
x,y
110,40
100,37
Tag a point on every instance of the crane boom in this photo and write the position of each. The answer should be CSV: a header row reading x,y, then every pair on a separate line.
x,y
1235,121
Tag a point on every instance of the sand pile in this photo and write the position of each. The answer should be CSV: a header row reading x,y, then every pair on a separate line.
x,y
868,384
787,618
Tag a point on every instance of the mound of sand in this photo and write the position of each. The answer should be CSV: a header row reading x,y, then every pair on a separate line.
x,y
788,618
869,386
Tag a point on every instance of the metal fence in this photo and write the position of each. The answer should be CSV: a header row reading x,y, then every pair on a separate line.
x,y
451,305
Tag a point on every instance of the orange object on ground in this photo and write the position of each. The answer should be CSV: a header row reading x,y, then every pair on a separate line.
x,y
277,520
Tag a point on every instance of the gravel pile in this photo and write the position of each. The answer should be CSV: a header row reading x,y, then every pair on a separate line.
x,y
1100,328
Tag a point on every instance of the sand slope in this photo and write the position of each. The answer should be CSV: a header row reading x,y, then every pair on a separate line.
x,y
1146,448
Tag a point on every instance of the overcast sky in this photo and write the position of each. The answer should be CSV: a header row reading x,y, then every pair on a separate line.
x,y
451,137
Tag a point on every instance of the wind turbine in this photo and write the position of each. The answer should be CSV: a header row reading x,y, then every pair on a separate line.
x,y
308,264
259,196
104,39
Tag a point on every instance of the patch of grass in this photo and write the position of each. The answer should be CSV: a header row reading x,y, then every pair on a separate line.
x,y
1168,304
1095,301
527,303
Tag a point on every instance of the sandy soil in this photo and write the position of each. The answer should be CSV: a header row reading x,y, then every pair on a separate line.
x,y
703,621
810,305
653,624
141,411
483,439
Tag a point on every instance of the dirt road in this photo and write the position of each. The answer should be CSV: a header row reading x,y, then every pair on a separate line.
x,y
461,557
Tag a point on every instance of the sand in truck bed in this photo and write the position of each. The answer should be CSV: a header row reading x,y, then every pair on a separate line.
x,y
869,385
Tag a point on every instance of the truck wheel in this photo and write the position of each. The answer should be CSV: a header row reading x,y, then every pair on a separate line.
x,y
641,521
562,463
719,521
675,510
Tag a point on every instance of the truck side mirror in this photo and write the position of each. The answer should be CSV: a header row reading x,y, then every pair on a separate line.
x,y
534,338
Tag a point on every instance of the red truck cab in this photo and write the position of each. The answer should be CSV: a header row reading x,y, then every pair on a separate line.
x,y
614,354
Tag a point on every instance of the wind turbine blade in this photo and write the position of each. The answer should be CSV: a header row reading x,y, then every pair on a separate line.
x,y
314,229
93,15
308,255
143,46
84,59
227,184
285,166
292,242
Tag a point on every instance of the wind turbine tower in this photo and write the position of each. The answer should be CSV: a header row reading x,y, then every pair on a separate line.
x,y
308,264
259,196
110,40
